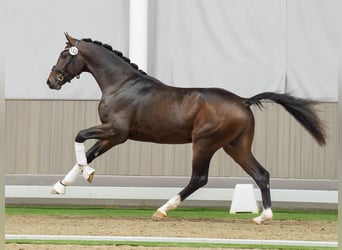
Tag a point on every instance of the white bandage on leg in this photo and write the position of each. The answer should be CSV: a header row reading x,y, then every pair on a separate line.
x,y
173,203
58,188
266,215
72,175
81,158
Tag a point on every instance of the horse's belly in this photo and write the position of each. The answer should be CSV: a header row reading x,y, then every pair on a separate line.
x,y
167,136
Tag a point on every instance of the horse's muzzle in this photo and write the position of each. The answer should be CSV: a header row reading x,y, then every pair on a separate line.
x,y
54,85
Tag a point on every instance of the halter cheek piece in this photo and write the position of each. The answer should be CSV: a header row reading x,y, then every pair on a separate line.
x,y
73,51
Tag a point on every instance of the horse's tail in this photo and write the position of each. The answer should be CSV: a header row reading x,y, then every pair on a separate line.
x,y
301,109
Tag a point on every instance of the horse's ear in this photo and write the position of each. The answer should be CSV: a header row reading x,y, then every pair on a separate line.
x,y
70,39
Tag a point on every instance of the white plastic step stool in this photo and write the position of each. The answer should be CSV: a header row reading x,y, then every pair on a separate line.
x,y
244,200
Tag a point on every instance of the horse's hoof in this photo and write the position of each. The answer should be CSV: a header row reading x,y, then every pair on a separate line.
x,y
88,173
159,215
266,215
90,177
258,221
58,188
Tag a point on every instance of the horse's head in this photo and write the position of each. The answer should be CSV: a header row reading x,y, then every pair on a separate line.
x,y
68,66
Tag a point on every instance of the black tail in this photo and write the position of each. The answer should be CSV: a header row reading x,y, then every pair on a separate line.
x,y
301,109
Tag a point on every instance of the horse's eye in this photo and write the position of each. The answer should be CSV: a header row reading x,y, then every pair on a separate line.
x,y
64,55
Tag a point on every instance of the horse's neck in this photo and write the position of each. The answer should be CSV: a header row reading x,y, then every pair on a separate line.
x,y
110,73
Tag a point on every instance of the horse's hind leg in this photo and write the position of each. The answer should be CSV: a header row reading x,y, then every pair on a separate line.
x,y
199,177
247,161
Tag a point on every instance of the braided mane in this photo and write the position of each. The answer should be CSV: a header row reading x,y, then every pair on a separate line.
x,y
118,53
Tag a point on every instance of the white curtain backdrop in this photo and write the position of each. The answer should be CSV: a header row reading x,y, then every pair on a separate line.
x,y
36,37
244,46
312,69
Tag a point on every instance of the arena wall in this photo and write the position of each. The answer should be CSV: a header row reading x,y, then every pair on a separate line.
x,y
40,136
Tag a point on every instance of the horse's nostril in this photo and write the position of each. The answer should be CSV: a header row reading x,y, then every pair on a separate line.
x,y
48,82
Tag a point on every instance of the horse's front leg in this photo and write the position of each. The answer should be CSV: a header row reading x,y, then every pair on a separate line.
x,y
107,139
82,162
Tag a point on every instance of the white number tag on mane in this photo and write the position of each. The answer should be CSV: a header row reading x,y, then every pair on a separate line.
x,y
73,51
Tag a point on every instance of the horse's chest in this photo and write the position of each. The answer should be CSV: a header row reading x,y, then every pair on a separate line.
x,y
110,110
104,112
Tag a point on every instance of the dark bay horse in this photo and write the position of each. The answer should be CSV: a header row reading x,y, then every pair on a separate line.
x,y
139,107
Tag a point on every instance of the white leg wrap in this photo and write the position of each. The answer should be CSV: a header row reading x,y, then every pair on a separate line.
x,y
266,215
80,154
173,203
72,175
58,188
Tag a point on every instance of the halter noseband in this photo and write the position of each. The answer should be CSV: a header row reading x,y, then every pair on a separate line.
x,y
73,51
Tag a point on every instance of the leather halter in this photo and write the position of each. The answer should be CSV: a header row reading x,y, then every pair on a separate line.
x,y
62,73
